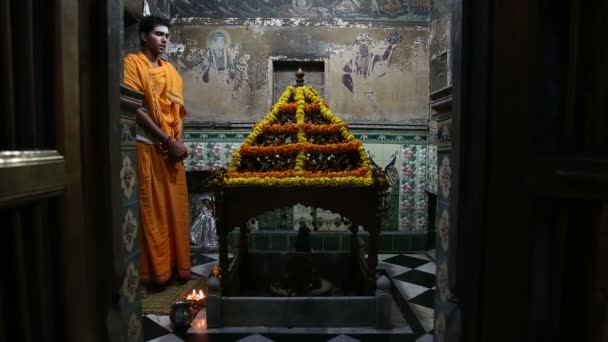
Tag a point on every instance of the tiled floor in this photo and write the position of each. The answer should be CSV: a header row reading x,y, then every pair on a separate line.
x,y
413,277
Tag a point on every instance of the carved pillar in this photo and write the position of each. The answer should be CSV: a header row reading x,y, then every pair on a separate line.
x,y
243,239
372,254
222,232
222,235
354,240
383,303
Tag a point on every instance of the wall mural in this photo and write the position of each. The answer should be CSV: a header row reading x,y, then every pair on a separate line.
x,y
397,10
371,60
373,74
221,62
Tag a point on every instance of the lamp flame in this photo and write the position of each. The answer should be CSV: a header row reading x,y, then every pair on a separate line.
x,y
196,295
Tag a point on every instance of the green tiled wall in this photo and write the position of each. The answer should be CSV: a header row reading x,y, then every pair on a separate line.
x,y
390,242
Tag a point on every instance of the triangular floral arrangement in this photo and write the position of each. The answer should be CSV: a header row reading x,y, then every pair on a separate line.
x,y
300,142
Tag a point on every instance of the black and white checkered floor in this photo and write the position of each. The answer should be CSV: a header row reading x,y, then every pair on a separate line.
x,y
413,277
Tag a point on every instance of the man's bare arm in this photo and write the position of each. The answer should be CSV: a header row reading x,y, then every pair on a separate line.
x,y
175,149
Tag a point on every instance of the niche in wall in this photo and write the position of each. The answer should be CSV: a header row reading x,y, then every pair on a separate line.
x,y
282,74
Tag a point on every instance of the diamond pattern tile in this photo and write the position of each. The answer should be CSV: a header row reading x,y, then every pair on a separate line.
x,y
417,277
407,261
200,259
426,299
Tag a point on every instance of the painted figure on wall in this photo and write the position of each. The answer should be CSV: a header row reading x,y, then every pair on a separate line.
x,y
370,60
221,63
303,8
421,7
217,58
347,7
392,8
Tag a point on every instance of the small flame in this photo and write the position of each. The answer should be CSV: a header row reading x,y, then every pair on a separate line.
x,y
200,323
196,295
216,270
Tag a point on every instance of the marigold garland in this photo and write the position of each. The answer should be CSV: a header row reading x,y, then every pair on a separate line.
x,y
350,146
280,129
289,108
268,174
360,172
305,100
249,150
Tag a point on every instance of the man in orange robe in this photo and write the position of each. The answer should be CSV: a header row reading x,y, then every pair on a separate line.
x,y
163,196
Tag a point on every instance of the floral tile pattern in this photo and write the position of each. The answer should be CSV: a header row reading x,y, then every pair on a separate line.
x,y
431,185
129,302
442,282
445,177
209,155
130,283
443,224
134,331
127,176
129,230
413,201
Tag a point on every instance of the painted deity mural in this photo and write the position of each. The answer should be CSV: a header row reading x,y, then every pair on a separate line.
x,y
370,61
221,62
373,74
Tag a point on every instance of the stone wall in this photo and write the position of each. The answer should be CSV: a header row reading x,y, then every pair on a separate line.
x,y
374,74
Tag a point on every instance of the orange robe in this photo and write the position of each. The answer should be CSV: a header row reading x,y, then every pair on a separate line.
x,y
163,195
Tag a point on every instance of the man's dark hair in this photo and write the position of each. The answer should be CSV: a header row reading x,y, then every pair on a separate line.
x,y
148,23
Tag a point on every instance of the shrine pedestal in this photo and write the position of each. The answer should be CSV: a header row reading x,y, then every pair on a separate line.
x,y
232,302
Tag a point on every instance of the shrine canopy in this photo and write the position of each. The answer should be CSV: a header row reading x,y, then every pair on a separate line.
x,y
301,143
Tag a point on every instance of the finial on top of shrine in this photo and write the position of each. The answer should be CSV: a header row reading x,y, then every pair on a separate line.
x,y
299,77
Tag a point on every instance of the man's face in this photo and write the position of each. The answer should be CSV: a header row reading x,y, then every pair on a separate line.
x,y
157,40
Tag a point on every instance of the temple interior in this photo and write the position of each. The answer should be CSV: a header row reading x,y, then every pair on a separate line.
x,y
474,196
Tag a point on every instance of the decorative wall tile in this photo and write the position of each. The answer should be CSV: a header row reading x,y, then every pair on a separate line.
x,y
387,158
443,226
413,198
431,184
127,176
443,288
209,155
129,230
130,304
445,177
130,283
135,328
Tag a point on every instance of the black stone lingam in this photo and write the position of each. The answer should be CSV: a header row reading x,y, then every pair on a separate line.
x,y
301,278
